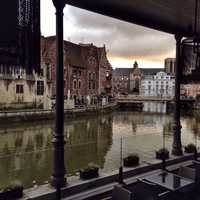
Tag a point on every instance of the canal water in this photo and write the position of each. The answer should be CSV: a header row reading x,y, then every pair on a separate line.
x,y
26,151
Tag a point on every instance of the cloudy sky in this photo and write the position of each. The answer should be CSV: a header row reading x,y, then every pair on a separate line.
x,y
125,42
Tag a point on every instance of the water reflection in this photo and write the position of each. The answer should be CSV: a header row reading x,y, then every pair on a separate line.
x,y
26,154
156,107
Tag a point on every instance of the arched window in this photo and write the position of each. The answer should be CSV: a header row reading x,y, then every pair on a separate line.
x,y
74,84
90,76
94,76
93,86
79,84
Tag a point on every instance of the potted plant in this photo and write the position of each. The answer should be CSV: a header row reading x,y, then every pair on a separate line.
x,y
190,148
91,171
12,191
162,154
131,160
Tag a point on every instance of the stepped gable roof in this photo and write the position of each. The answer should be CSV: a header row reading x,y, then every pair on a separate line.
x,y
151,71
122,71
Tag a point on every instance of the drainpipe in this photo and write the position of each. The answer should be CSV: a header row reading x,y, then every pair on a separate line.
x,y
58,179
177,145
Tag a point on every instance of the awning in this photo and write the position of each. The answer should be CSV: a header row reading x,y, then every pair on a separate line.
x,y
171,16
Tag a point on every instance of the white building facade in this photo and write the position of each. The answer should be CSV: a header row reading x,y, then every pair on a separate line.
x,y
159,85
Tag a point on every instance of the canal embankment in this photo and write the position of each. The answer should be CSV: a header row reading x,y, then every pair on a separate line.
x,y
41,114
103,185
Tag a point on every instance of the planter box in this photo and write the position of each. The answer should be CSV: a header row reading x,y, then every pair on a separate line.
x,y
190,149
89,173
162,155
12,193
131,161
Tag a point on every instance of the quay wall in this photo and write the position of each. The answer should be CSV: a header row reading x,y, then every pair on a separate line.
x,y
38,115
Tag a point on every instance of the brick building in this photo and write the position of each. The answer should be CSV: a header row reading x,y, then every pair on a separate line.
x,y
87,71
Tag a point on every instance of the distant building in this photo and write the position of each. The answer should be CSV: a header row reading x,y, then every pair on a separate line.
x,y
87,71
190,90
128,80
170,65
187,90
159,85
121,80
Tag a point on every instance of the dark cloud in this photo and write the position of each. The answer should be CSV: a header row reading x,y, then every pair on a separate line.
x,y
122,39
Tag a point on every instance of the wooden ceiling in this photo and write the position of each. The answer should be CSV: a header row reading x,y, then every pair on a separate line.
x,y
171,16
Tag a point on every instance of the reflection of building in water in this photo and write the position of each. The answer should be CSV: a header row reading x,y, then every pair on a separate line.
x,y
194,124
157,107
90,145
26,148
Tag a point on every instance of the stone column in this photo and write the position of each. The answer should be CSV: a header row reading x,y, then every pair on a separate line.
x,y
177,146
58,177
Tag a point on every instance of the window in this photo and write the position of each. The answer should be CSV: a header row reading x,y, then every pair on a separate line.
x,y
94,76
74,84
41,72
89,85
79,84
1,69
90,76
19,89
40,87
48,72
93,86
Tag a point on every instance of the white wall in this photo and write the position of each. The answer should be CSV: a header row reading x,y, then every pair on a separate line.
x,y
159,85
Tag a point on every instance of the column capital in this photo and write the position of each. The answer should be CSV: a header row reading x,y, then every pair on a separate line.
x,y
59,4
178,37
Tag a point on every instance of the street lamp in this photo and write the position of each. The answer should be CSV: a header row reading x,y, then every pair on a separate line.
x,y
58,179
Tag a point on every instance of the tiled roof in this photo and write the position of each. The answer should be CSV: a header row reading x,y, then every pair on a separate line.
x,y
122,71
127,71
151,71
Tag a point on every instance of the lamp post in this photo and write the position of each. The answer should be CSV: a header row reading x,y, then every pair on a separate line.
x,y
177,145
58,179
120,180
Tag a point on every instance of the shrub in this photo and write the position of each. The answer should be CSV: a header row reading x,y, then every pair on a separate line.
x,y
12,191
131,160
190,148
162,153
91,171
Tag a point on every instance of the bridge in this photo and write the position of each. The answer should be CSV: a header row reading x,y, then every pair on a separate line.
x,y
139,99
152,103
